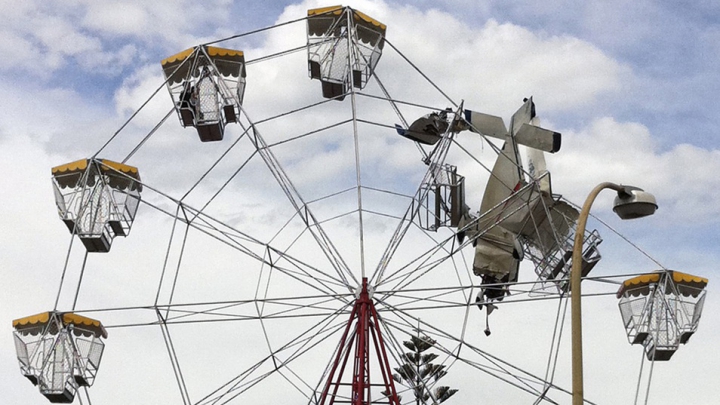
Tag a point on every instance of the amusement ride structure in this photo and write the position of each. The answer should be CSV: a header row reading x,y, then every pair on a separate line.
x,y
331,216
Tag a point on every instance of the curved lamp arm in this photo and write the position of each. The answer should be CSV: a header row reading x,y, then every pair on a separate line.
x,y
631,202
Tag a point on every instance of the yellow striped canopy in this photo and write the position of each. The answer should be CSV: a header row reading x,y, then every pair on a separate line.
x,y
35,324
320,20
120,176
176,67
687,283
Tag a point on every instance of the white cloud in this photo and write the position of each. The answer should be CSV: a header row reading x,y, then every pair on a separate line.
x,y
683,178
499,64
119,18
42,37
139,87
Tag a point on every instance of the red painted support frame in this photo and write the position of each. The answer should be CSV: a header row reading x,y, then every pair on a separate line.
x,y
366,321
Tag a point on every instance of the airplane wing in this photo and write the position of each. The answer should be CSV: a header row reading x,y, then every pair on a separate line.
x,y
550,224
424,136
427,130
523,115
538,138
526,134
486,124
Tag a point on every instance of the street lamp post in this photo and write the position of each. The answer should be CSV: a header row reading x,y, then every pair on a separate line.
x,y
631,202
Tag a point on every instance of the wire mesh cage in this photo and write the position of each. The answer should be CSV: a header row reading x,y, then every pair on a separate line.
x,y
441,200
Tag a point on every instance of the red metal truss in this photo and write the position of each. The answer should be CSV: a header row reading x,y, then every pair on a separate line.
x,y
362,326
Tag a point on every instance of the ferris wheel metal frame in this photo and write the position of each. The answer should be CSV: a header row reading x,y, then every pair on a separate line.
x,y
368,316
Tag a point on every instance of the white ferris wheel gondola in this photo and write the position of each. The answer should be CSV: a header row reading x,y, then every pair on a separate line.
x,y
97,199
344,46
59,352
207,85
661,310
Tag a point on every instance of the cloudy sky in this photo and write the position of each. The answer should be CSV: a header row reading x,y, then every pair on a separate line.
x,y
630,85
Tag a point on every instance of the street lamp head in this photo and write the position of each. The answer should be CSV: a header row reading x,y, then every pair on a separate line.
x,y
632,202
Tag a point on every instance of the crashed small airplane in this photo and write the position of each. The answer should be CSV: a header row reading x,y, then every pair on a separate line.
x,y
518,212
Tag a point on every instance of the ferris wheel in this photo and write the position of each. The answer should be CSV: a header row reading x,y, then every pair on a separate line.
x,y
332,237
